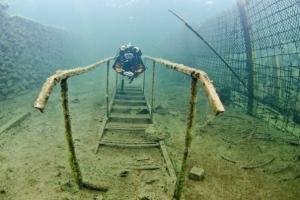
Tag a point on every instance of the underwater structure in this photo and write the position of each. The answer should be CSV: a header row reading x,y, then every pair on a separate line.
x,y
158,138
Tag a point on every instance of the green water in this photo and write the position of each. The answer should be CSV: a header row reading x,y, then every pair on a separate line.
x,y
244,156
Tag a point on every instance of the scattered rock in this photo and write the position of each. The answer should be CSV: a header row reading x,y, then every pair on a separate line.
x,y
143,111
99,197
2,191
58,174
162,110
69,187
124,173
75,101
143,158
297,158
145,197
151,181
173,113
196,174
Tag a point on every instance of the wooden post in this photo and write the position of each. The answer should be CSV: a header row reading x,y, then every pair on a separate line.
x,y
152,90
188,139
68,134
107,89
249,55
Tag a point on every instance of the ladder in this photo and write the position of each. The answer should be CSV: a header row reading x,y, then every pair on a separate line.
x,y
141,156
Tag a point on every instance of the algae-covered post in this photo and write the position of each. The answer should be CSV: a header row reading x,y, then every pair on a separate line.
x,y
152,88
61,77
188,139
68,134
107,89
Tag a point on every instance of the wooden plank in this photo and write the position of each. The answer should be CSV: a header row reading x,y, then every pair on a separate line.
x,y
125,145
167,159
14,122
125,129
170,167
101,132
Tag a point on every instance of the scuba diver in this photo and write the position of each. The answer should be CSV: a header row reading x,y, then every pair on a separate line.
x,y
129,62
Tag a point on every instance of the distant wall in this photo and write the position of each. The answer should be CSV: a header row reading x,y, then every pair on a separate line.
x,y
260,40
29,52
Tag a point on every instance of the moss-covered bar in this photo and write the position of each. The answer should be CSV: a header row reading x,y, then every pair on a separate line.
x,y
208,86
68,134
188,139
48,86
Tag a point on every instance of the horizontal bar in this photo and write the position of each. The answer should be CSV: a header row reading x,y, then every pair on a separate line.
x,y
208,86
48,86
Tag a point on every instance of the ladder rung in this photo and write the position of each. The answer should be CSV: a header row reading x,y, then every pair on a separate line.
x,y
129,145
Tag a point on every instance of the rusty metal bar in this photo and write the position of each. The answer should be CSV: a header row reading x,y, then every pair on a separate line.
x,y
68,134
188,139
48,86
107,89
207,84
152,88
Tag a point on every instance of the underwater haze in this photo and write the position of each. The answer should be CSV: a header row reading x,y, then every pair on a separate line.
x,y
149,99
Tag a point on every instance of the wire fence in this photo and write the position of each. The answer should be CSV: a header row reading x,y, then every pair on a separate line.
x,y
260,40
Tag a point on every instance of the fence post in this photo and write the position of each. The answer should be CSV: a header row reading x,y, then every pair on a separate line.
x,y
276,78
188,139
249,55
107,89
152,90
68,134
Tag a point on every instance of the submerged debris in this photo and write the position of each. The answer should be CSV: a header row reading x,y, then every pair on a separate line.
x,y
196,174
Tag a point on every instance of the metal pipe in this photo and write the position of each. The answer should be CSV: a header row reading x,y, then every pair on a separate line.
x,y
188,139
107,89
68,134
210,47
152,89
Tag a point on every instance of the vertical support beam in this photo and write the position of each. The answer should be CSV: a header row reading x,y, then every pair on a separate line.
x,y
249,54
152,89
276,78
107,89
117,80
188,139
122,84
68,134
144,81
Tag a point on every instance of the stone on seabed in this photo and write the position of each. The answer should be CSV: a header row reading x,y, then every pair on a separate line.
x,y
196,174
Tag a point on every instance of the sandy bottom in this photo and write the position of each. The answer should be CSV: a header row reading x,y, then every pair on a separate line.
x,y
34,164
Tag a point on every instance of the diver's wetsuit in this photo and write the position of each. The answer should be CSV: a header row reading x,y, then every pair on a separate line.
x,y
129,62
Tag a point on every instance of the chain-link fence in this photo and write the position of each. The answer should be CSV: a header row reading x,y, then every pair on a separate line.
x,y
260,40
